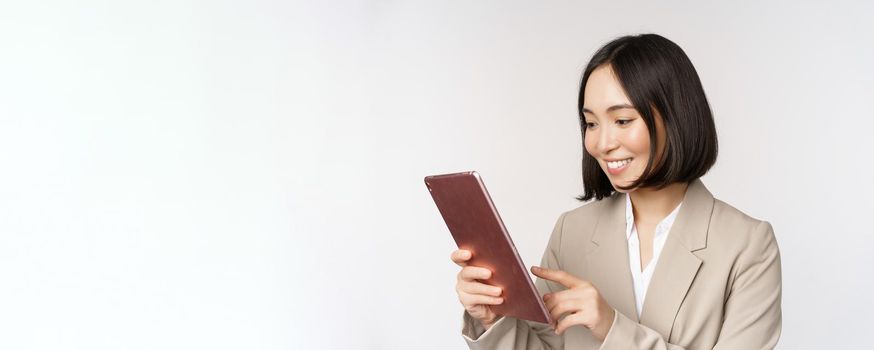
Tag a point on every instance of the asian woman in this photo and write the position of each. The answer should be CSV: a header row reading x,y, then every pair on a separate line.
x,y
652,260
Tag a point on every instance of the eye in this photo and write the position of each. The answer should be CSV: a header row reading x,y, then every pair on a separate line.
x,y
624,121
590,125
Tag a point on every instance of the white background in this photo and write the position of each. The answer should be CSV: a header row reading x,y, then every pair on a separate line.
x,y
229,175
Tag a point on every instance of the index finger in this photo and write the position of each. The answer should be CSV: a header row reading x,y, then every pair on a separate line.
x,y
559,276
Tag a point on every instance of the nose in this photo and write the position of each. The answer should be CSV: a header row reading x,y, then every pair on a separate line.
x,y
606,140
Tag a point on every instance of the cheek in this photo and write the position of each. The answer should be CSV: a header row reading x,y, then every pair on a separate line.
x,y
637,141
590,142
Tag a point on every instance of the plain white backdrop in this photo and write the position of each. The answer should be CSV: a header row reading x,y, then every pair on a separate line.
x,y
248,174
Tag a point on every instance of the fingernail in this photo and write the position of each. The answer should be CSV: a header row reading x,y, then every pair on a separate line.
x,y
535,268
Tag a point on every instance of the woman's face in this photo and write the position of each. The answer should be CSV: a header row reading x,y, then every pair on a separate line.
x,y
616,134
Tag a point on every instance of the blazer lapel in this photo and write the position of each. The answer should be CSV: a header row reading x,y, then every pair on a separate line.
x,y
677,266
608,258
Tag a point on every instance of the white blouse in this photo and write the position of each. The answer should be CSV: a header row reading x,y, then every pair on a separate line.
x,y
641,278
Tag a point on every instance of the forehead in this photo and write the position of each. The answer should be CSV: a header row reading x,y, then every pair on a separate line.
x,y
603,90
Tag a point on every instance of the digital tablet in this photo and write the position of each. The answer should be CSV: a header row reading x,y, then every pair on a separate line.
x,y
474,223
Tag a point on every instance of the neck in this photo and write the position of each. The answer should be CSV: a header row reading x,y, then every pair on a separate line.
x,y
651,205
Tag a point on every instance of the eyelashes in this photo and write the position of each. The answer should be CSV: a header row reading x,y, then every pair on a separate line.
x,y
620,122
624,121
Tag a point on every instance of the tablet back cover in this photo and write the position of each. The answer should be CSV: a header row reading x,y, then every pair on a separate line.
x,y
475,225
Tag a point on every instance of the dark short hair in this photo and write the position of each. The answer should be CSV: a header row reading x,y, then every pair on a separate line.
x,y
656,74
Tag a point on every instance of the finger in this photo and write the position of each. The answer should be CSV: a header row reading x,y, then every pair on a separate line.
x,y
565,307
460,257
567,322
550,299
470,300
471,273
559,276
481,288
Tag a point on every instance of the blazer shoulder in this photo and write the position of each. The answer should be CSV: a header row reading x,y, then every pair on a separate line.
x,y
586,212
581,221
724,213
729,224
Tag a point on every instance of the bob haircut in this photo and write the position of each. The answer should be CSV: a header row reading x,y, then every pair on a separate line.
x,y
657,76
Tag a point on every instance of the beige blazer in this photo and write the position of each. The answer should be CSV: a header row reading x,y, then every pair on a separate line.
x,y
716,285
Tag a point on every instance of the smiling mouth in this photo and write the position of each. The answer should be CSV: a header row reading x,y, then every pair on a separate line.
x,y
618,164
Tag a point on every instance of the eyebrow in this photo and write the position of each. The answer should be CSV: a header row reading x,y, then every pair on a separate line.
x,y
611,108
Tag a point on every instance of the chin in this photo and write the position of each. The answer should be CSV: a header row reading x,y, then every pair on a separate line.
x,y
621,190
623,184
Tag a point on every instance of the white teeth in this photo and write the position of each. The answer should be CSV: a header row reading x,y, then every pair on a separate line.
x,y
618,164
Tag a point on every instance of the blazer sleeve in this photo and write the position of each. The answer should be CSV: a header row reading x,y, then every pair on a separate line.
x,y
753,311
517,334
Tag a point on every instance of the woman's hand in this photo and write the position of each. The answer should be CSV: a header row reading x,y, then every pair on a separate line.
x,y
581,301
474,295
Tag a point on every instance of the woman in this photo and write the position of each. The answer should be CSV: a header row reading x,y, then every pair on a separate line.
x,y
655,262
